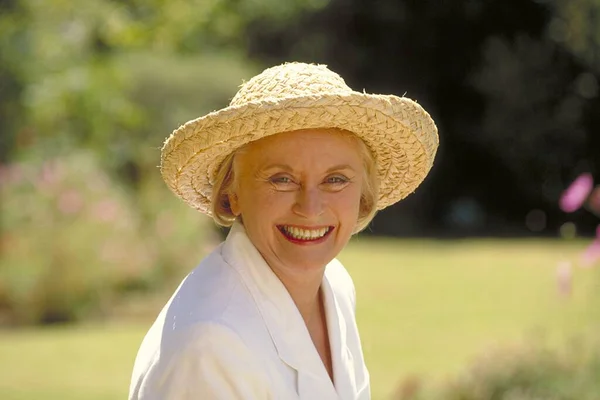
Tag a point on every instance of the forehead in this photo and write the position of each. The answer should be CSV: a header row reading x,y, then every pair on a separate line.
x,y
306,143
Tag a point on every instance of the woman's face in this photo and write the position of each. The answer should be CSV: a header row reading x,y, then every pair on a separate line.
x,y
299,194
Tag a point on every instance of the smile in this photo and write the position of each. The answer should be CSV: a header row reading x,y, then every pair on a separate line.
x,y
305,235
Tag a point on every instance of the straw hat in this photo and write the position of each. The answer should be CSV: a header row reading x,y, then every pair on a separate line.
x,y
400,133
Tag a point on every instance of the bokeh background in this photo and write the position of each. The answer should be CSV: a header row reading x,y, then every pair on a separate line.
x,y
478,286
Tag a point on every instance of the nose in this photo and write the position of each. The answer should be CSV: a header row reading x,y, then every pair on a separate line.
x,y
309,203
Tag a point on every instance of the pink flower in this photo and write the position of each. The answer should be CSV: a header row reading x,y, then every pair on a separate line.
x,y
48,176
49,173
564,277
70,202
576,194
106,210
11,173
592,253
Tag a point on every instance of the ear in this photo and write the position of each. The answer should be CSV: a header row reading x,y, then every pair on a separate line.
x,y
234,204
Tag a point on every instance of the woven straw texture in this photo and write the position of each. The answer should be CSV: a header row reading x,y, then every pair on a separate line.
x,y
399,132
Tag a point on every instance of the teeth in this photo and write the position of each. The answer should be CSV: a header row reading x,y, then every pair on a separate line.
x,y
305,234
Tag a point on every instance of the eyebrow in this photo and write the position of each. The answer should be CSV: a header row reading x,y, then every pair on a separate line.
x,y
340,167
287,168
284,167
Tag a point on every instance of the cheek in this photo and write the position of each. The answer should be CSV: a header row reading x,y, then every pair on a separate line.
x,y
268,202
347,203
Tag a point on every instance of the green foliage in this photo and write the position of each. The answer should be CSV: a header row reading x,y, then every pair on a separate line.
x,y
528,106
67,83
575,25
533,373
74,243
170,90
180,235
70,238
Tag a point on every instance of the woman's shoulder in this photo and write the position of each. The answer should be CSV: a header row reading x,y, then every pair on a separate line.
x,y
212,293
205,293
211,306
198,359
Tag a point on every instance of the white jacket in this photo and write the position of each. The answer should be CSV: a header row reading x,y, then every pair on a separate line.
x,y
231,331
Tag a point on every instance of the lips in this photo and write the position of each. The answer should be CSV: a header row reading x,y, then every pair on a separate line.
x,y
298,234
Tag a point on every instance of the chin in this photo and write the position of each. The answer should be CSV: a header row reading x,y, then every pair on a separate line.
x,y
311,263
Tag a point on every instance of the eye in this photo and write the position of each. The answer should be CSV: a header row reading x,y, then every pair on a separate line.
x,y
279,179
283,182
336,180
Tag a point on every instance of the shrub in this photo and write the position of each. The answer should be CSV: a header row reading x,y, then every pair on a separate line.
x,y
74,243
534,373
69,240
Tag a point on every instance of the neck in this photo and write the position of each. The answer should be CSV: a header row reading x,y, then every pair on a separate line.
x,y
304,289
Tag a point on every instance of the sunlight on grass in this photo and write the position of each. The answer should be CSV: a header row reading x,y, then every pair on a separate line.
x,y
427,308
68,363
424,308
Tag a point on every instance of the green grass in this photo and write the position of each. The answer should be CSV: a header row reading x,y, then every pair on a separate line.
x,y
424,308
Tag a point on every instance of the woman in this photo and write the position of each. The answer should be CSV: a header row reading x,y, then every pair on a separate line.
x,y
296,165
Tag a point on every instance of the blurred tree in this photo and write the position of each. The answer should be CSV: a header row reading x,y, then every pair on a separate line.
x,y
74,76
575,25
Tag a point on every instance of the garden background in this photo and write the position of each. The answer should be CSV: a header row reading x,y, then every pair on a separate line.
x,y
483,284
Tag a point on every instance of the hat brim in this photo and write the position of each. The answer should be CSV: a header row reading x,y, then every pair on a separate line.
x,y
400,133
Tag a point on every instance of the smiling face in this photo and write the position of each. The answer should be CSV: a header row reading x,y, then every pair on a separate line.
x,y
298,194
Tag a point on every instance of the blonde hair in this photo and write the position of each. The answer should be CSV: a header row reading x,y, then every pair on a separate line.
x,y
225,184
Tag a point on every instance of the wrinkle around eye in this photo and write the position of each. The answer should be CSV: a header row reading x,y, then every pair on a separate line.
x,y
336,186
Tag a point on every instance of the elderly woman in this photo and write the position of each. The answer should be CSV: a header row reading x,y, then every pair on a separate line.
x,y
296,165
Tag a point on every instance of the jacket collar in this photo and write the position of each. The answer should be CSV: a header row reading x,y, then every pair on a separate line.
x,y
286,326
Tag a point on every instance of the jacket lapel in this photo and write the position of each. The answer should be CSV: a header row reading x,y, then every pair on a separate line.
x,y
343,364
281,316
